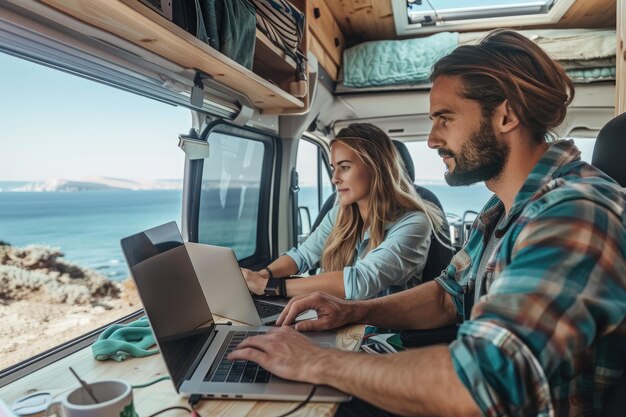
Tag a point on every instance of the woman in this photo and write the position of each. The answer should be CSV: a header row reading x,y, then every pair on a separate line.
x,y
374,241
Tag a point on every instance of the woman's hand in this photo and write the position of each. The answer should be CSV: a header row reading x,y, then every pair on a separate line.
x,y
256,282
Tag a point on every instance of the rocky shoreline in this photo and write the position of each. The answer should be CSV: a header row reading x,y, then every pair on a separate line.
x,y
46,301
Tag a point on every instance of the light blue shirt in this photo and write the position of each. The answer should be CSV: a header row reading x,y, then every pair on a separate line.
x,y
394,265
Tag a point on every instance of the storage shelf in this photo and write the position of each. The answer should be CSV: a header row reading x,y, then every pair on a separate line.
x,y
271,55
136,23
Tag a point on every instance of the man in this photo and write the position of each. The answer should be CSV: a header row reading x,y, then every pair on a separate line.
x,y
540,286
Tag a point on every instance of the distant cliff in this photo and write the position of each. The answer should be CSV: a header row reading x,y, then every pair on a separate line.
x,y
93,184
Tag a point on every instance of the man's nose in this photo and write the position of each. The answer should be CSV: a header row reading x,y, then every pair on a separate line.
x,y
433,141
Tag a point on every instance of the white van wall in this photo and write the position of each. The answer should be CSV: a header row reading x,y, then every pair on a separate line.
x,y
405,115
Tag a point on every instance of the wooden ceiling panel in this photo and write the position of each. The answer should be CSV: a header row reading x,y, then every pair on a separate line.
x,y
363,20
367,20
589,14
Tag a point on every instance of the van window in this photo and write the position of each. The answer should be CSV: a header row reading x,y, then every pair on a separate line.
x,y
585,145
82,166
234,198
314,180
231,182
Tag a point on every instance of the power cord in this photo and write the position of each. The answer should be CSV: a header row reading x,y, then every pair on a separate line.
x,y
196,398
147,384
303,403
190,411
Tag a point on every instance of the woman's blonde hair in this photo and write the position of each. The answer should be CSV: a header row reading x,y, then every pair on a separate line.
x,y
392,195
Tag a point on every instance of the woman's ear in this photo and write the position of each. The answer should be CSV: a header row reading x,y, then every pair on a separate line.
x,y
505,118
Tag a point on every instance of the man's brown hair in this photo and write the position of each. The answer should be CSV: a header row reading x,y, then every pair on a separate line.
x,y
508,66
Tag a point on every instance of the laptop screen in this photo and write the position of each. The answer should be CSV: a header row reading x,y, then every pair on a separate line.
x,y
171,295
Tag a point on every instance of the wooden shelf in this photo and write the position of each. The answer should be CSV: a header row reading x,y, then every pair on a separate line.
x,y
136,23
271,55
271,63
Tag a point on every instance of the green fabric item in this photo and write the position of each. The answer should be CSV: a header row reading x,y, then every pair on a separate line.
x,y
119,341
377,63
231,28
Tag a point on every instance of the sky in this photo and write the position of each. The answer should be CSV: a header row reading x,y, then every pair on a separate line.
x,y
57,125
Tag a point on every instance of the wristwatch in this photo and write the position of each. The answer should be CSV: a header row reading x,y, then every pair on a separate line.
x,y
273,287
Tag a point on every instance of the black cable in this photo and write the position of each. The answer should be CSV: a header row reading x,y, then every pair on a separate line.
x,y
147,384
170,409
302,404
195,399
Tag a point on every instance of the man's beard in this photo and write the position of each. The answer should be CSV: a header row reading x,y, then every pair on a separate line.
x,y
481,158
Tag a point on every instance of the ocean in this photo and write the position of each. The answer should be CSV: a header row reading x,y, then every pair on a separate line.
x,y
87,226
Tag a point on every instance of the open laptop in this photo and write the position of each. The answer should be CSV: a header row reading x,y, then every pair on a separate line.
x,y
223,283
217,267
193,346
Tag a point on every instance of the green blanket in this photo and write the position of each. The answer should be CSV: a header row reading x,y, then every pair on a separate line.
x,y
394,62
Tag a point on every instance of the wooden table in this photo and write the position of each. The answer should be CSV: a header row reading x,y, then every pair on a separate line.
x,y
57,379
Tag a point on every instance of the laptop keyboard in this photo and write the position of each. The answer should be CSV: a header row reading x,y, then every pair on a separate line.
x,y
267,310
224,370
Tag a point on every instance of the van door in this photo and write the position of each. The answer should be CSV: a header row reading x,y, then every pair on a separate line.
x,y
230,195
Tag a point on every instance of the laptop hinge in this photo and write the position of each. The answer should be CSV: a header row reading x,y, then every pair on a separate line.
x,y
197,357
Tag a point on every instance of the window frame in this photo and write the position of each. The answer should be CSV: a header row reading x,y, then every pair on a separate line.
x,y
323,162
477,22
267,220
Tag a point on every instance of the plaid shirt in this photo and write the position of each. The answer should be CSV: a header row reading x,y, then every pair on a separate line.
x,y
548,336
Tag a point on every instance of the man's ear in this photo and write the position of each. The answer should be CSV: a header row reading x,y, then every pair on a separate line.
x,y
505,118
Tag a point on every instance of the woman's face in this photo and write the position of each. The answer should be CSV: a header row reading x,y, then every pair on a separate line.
x,y
350,175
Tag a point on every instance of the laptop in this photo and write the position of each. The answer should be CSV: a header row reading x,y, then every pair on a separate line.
x,y
217,267
193,346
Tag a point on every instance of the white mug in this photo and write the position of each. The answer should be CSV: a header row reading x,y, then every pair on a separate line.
x,y
115,399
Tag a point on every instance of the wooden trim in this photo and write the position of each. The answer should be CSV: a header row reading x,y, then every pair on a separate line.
x,y
324,26
620,82
323,58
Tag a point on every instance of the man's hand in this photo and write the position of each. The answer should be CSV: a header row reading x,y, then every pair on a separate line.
x,y
332,312
256,282
283,351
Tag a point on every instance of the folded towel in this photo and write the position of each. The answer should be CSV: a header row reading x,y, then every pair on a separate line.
x,y
563,44
120,340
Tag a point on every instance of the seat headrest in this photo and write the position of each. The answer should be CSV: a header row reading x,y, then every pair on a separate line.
x,y
609,152
406,158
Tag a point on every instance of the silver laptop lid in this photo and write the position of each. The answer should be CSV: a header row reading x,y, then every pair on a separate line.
x,y
171,295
